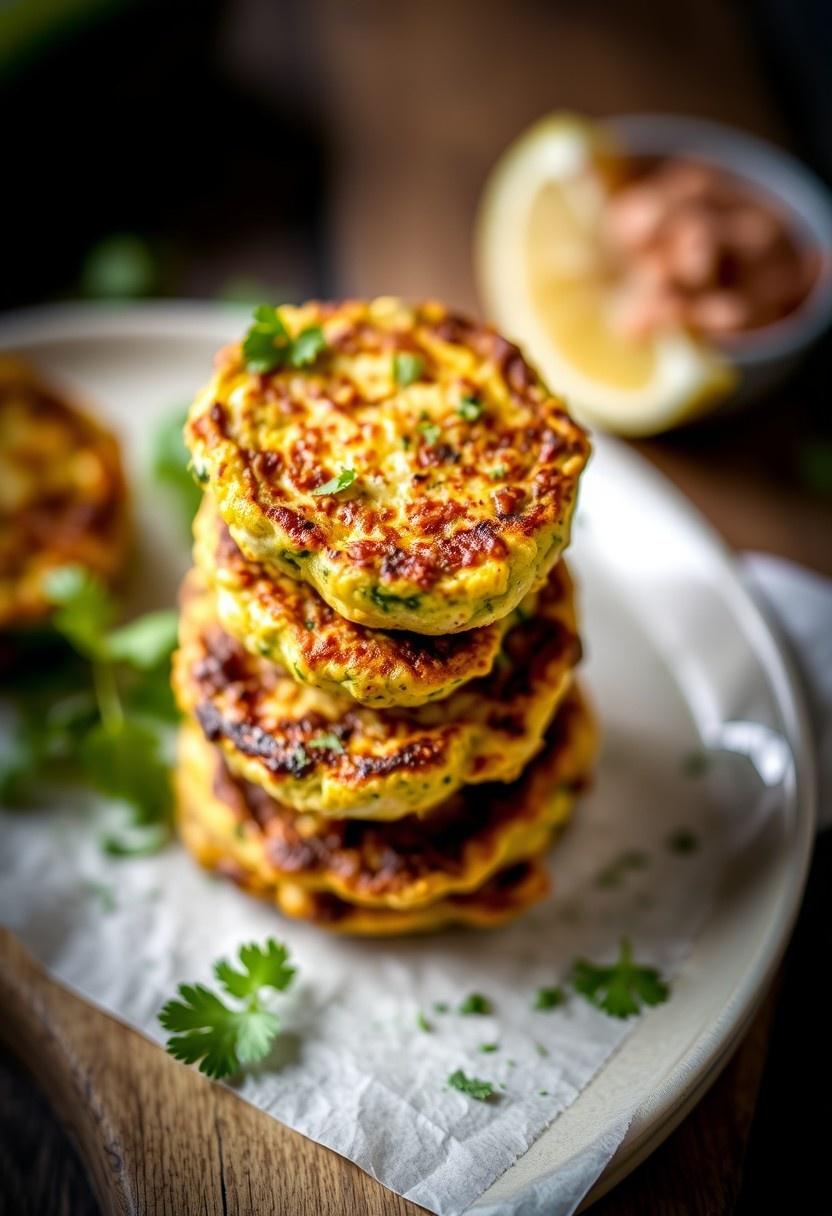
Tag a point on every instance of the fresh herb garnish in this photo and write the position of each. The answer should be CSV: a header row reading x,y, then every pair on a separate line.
x,y
440,1006
475,1003
431,432
487,1048
268,344
327,742
622,989
385,599
423,1023
336,484
170,467
472,1086
470,408
541,1050
407,367
549,998
614,874
109,726
498,472
221,1038
683,841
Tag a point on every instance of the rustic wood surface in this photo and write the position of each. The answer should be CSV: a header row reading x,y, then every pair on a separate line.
x,y
418,98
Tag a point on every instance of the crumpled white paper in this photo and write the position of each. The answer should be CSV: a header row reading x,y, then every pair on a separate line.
x,y
352,1069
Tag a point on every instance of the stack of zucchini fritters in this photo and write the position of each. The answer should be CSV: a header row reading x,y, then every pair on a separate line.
x,y
378,639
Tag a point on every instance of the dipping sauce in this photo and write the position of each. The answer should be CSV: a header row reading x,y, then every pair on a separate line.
x,y
691,245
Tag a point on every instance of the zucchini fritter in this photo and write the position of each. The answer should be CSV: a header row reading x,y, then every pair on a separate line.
x,y
315,751
290,624
418,474
62,493
402,864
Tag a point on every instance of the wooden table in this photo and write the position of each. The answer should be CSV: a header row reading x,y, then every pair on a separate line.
x,y
418,98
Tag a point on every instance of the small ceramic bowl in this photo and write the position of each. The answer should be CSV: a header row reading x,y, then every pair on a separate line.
x,y
763,357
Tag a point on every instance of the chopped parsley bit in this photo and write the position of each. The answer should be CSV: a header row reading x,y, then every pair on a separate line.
x,y
549,998
472,1086
511,1063
475,1003
683,842
299,757
440,1006
541,1050
622,989
498,473
336,484
615,873
268,344
470,408
431,432
423,1023
328,741
695,764
489,1047
543,1093
407,367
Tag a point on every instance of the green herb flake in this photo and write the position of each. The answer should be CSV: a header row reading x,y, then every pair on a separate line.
x,y
542,1051
327,742
220,1038
487,1048
336,484
470,408
299,757
614,875
407,367
431,432
170,467
683,842
440,1007
472,1086
268,344
475,1003
622,989
549,998
498,473
423,1023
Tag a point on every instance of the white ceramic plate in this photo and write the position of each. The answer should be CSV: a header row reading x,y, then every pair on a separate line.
x,y
657,565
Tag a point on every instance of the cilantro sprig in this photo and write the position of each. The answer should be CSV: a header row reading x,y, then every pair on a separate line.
x,y
170,467
622,989
472,1086
268,344
105,723
220,1038
407,367
341,481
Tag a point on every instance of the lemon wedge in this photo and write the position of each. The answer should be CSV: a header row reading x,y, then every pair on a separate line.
x,y
545,281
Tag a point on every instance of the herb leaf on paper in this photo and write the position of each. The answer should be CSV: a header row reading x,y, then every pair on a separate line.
x,y
622,989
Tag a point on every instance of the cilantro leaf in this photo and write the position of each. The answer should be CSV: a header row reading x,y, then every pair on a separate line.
x,y
170,466
268,344
123,760
622,989
306,347
549,998
336,484
475,1003
431,431
423,1023
472,1086
146,641
407,367
84,609
262,967
487,1048
219,1038
470,408
328,741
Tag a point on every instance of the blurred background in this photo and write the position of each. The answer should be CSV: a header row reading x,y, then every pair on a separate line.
x,y
275,149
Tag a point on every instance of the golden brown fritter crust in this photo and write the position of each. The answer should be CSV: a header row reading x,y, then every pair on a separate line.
x,y
464,478
314,751
62,493
290,624
401,864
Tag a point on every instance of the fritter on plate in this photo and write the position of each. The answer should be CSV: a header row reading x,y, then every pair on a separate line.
x,y
290,624
62,493
402,864
315,751
417,472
